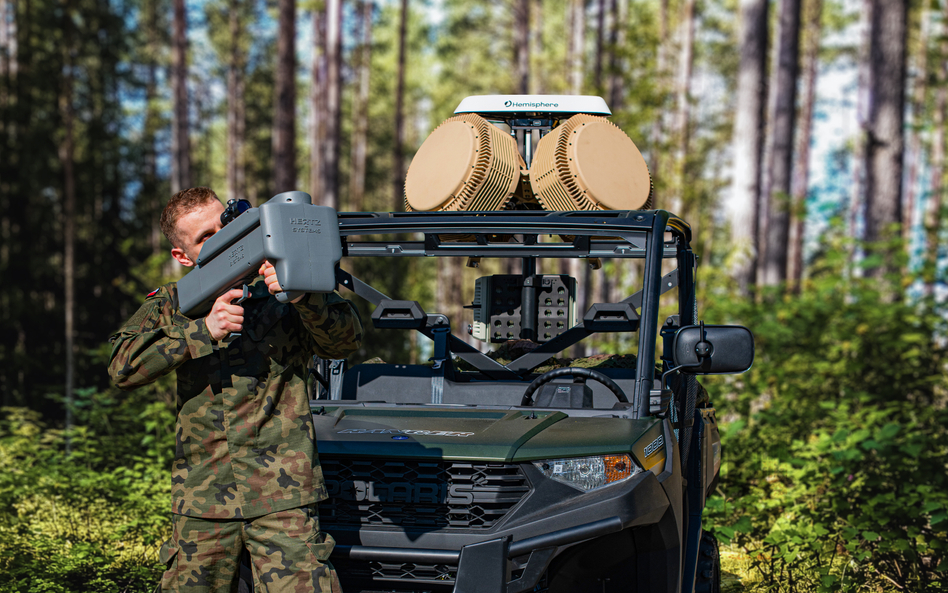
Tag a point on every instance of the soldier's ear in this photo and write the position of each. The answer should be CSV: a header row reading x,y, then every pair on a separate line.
x,y
181,256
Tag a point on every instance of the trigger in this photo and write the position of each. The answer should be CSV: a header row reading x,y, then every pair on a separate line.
x,y
244,296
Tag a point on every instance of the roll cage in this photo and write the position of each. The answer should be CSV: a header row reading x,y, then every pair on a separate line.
x,y
652,236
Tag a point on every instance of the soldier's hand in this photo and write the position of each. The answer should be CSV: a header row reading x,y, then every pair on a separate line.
x,y
225,317
269,274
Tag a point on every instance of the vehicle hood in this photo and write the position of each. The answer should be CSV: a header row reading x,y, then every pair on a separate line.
x,y
471,434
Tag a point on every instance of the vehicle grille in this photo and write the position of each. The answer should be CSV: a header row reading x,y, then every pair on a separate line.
x,y
419,494
395,572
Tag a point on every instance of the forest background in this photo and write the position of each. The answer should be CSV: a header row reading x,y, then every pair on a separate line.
x,y
803,139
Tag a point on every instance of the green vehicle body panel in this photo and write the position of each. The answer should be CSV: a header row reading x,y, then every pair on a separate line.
x,y
484,435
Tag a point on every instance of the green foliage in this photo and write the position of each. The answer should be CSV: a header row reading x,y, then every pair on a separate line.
x,y
835,443
91,519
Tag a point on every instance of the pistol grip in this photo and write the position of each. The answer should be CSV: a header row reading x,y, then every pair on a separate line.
x,y
234,335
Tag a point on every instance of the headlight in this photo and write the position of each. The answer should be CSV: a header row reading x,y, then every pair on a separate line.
x,y
589,473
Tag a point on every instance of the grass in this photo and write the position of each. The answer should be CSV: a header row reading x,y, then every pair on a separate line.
x,y
737,572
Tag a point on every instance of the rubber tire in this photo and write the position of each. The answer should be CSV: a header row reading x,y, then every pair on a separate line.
x,y
708,573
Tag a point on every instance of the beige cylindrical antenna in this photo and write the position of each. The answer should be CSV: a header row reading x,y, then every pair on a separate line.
x,y
588,163
466,163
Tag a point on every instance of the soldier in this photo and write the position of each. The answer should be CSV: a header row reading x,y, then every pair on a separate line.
x,y
245,474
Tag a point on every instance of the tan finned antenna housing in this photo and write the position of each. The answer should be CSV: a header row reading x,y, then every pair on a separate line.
x,y
588,163
581,162
466,163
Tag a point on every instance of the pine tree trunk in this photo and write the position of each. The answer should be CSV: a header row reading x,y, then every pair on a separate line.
x,y
398,171
284,107
522,45
361,110
235,109
14,247
600,44
8,19
775,191
333,95
317,99
936,194
883,194
536,14
66,157
180,133
458,313
801,168
616,91
857,194
919,89
662,76
235,83
577,45
682,115
441,285
6,15
200,148
152,124
240,131
8,56
742,203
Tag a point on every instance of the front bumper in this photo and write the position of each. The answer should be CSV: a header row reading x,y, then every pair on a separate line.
x,y
513,554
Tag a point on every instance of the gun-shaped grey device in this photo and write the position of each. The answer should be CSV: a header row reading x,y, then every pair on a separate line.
x,y
301,241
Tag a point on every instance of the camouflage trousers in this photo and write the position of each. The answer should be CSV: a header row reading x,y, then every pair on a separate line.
x,y
288,554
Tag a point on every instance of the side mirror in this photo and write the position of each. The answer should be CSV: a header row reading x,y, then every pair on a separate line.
x,y
713,349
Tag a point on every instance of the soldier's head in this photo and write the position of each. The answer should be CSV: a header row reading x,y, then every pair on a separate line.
x,y
188,220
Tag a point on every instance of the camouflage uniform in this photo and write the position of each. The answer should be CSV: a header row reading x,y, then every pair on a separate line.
x,y
245,446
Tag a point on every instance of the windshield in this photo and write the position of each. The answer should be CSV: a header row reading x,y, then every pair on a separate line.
x,y
516,292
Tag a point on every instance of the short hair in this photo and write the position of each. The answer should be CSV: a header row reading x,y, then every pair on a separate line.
x,y
180,204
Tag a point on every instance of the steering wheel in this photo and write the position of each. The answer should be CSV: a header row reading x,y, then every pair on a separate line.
x,y
577,373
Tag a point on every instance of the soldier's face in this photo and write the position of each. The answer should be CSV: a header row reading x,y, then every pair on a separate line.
x,y
194,228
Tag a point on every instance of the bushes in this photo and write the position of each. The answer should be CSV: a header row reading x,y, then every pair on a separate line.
x,y
834,473
835,443
90,520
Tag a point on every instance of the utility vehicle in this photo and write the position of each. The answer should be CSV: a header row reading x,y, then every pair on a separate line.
x,y
496,464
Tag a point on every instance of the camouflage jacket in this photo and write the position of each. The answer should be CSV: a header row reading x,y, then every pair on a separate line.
x,y
245,440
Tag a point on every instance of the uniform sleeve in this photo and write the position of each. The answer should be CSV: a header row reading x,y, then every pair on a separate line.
x,y
154,342
332,322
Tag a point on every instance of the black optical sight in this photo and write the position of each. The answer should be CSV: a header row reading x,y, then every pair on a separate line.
x,y
234,209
